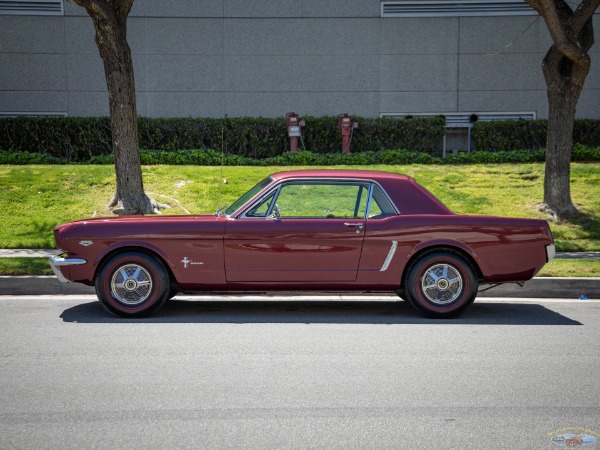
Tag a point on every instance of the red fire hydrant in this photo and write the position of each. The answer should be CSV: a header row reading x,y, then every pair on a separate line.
x,y
347,128
294,129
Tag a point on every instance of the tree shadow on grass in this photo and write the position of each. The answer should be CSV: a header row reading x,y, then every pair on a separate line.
x,y
322,312
589,225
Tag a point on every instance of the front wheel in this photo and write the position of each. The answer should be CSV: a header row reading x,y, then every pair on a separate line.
x,y
132,284
441,284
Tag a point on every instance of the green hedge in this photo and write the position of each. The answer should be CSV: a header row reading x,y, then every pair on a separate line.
x,y
69,138
506,135
80,139
207,157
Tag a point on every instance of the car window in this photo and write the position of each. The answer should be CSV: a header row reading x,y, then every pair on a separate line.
x,y
380,205
323,200
247,196
263,206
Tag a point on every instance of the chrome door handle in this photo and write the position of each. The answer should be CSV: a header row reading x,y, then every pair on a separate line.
x,y
350,224
359,226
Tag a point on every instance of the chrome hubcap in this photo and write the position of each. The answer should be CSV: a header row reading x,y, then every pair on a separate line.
x,y
131,284
441,284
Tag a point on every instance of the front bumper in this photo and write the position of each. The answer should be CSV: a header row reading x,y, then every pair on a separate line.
x,y
59,261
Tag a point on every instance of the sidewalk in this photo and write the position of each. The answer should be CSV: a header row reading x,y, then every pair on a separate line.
x,y
539,287
27,253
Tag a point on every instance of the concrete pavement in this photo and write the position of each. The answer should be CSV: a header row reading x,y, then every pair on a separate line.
x,y
266,375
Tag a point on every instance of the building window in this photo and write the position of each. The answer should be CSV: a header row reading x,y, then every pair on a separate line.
x,y
456,8
32,7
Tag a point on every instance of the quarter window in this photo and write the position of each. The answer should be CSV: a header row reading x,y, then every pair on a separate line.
x,y
380,205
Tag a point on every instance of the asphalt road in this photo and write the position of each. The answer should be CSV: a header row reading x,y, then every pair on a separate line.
x,y
509,374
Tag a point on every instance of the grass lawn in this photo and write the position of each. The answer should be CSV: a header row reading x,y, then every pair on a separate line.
x,y
556,268
571,268
25,266
33,199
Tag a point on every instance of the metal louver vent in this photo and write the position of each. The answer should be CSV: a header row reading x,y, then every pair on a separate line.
x,y
32,7
456,8
14,114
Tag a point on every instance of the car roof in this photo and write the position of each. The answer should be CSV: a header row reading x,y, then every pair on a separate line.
x,y
340,173
404,191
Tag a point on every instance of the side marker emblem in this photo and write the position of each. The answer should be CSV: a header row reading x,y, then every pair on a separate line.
x,y
185,261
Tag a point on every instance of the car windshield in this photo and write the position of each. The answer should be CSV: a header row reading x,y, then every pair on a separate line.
x,y
247,196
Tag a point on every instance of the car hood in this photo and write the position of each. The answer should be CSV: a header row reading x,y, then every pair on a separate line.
x,y
138,226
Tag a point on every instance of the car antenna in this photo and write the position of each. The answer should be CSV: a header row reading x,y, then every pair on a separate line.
x,y
221,180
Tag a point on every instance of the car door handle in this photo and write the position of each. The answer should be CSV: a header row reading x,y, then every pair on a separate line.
x,y
354,224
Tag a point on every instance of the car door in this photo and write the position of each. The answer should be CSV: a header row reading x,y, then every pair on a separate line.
x,y
301,231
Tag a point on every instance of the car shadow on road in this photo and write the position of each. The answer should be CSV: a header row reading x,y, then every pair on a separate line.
x,y
325,312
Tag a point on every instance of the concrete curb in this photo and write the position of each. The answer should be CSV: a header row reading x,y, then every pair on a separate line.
x,y
537,288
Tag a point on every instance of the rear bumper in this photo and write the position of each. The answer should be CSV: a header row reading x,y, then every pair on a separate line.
x,y
550,252
56,262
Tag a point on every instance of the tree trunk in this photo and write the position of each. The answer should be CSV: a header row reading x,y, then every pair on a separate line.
x,y
563,95
110,22
118,67
565,68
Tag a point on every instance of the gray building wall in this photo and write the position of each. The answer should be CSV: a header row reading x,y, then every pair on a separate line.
x,y
211,58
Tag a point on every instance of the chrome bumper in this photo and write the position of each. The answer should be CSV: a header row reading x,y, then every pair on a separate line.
x,y
59,261
550,252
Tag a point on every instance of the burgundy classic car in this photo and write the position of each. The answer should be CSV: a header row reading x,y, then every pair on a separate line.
x,y
306,230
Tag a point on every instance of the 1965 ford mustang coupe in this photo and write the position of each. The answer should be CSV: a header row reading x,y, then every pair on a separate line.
x,y
309,230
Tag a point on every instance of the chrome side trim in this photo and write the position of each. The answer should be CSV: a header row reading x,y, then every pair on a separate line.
x,y
389,256
59,261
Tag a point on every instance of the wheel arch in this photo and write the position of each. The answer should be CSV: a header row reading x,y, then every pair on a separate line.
x,y
450,248
134,248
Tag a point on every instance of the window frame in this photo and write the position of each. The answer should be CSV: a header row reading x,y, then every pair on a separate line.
x,y
275,191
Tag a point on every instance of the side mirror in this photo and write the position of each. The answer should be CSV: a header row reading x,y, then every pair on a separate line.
x,y
276,214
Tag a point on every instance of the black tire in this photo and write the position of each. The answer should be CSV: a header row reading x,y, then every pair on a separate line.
x,y
173,289
132,284
441,285
402,294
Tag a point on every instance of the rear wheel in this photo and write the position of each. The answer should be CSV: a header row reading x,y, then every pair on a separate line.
x,y
132,284
441,284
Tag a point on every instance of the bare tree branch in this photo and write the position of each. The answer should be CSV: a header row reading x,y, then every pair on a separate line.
x,y
561,38
582,14
95,8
